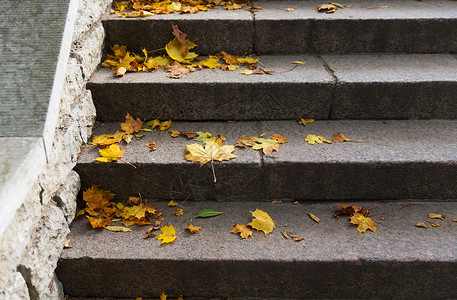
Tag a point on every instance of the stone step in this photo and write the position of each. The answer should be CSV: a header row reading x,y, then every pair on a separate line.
x,y
408,26
399,260
402,160
385,86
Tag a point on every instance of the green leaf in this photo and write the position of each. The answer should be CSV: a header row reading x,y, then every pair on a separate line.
x,y
337,4
204,137
207,213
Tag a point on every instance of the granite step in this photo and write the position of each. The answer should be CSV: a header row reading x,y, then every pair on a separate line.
x,y
402,160
376,86
408,26
398,261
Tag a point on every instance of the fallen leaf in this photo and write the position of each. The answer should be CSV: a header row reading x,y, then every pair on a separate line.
x,y
168,235
205,137
133,201
327,8
422,225
290,9
313,217
163,296
96,198
178,212
298,62
340,138
179,35
243,230
435,224
228,58
266,145
180,52
312,139
118,228
172,203
277,202
295,238
150,233
207,213
232,6
303,122
99,222
262,221
436,216
285,235
120,72
363,223
108,139
138,211
280,139
350,209
295,203
176,70
260,71
67,244
212,62
152,146
111,153
131,125
193,229
188,134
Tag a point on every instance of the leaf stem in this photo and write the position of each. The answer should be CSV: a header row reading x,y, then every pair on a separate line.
x,y
128,163
212,167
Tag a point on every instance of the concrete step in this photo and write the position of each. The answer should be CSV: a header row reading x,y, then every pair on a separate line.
x,y
398,261
397,86
403,160
408,26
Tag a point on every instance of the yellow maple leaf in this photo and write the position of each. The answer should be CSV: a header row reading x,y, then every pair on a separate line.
x,y
138,211
179,52
302,121
96,198
178,212
229,67
193,229
108,139
312,139
436,216
248,60
267,145
212,62
168,234
112,153
262,221
229,58
165,125
363,223
100,222
243,230
172,203
280,139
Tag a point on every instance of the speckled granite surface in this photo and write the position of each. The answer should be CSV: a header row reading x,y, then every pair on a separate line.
x,y
403,159
399,260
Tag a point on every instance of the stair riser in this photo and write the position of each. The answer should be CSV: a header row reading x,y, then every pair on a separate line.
x,y
261,279
264,36
250,182
275,101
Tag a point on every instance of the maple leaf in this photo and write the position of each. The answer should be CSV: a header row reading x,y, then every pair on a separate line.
x,y
327,8
165,125
303,122
229,58
172,203
163,296
212,62
138,211
350,209
312,139
176,70
112,153
248,60
178,212
245,142
211,152
267,145
260,71
152,146
340,138
108,139
188,134
180,52
243,230
232,6
436,216
193,229
100,222
205,137
280,139
363,223
229,67
262,221
168,234
96,198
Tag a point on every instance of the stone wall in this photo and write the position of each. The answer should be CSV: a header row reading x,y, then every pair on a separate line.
x,y
33,241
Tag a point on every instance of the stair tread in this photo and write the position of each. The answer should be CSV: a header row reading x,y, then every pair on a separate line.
x,y
403,159
335,253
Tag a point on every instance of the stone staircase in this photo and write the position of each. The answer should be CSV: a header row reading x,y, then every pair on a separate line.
x,y
384,74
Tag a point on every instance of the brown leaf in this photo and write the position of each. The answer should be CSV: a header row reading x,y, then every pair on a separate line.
x,y
176,70
422,225
130,125
133,200
285,235
243,230
350,209
180,36
327,8
340,138
280,139
295,238
193,229
178,212
277,202
152,146
120,72
150,233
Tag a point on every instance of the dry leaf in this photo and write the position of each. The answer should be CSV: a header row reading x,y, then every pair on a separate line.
x,y
178,212
290,9
363,223
260,71
67,244
118,228
172,203
295,238
150,233
340,138
327,8
111,153
312,139
179,35
120,72
295,203
168,235
100,222
97,199
193,229
267,145
313,217
277,202
262,221
108,139
152,146
298,62
435,224
133,201
280,139
243,230
422,225
130,125
163,296
350,209
303,122
436,216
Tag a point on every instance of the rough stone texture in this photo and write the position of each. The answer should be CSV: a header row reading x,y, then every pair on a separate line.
x,y
405,26
398,261
402,160
28,73
165,174
394,86
217,95
33,240
212,31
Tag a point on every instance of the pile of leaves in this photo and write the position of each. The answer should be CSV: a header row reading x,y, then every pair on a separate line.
x,y
147,8
357,216
178,60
